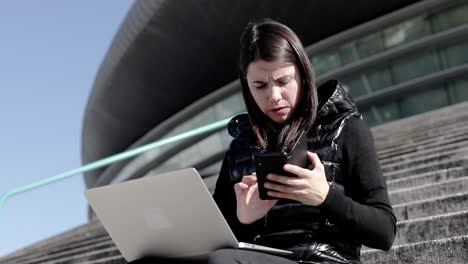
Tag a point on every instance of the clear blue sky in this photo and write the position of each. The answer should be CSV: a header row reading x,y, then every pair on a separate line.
x,y
50,51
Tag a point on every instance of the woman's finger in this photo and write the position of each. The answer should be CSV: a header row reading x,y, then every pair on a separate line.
x,y
279,187
282,195
296,170
314,158
249,180
291,181
240,186
303,172
239,189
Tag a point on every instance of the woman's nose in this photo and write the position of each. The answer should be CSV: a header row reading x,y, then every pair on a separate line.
x,y
275,93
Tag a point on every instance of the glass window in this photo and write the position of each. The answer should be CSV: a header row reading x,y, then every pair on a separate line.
x,y
367,82
388,112
379,79
349,53
450,18
370,45
411,67
454,55
354,86
196,153
325,62
369,118
376,115
405,32
230,106
423,101
458,91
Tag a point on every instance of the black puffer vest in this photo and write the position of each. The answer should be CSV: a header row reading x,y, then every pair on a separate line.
x,y
301,223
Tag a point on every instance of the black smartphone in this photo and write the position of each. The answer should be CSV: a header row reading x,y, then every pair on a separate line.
x,y
273,162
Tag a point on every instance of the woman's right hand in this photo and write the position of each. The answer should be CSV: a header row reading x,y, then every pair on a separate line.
x,y
249,205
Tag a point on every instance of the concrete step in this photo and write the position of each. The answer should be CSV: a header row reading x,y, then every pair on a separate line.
x,y
86,257
391,133
391,141
426,168
66,252
432,228
408,152
410,143
453,250
428,191
76,236
433,206
426,178
83,229
63,248
437,118
421,138
424,159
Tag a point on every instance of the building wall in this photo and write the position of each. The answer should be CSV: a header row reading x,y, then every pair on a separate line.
x,y
414,64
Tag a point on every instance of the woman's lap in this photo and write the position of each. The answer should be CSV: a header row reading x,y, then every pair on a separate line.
x,y
224,256
159,260
227,256
245,257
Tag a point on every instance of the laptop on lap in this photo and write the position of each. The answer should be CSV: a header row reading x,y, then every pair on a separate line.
x,y
167,215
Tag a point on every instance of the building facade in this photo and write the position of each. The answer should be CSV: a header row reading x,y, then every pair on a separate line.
x,y
396,58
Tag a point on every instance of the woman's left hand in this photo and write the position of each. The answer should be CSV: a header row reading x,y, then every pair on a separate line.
x,y
310,187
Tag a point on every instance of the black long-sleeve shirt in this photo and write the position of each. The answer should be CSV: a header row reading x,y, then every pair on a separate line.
x,y
364,208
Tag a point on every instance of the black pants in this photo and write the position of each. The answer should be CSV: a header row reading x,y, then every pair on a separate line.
x,y
223,256
231,256
158,260
236,256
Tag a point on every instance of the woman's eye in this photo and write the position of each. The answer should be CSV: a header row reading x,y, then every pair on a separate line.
x,y
261,86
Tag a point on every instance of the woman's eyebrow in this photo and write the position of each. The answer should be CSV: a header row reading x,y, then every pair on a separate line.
x,y
285,76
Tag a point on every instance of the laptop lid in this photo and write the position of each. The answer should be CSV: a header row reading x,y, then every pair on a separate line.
x,y
170,215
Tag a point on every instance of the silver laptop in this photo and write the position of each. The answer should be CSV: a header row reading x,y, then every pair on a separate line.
x,y
168,215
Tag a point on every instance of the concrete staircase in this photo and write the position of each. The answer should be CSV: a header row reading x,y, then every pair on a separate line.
x,y
425,162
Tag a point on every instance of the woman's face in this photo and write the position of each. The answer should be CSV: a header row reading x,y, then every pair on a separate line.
x,y
275,87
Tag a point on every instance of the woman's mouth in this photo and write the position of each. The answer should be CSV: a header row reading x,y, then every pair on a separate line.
x,y
280,110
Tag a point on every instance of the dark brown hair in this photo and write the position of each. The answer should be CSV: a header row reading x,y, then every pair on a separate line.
x,y
272,41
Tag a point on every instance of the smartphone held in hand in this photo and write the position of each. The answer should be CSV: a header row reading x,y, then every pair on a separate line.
x,y
273,162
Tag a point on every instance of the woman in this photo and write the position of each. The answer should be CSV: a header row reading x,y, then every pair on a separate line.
x,y
331,208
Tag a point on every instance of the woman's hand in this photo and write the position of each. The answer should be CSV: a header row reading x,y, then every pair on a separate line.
x,y
310,187
249,205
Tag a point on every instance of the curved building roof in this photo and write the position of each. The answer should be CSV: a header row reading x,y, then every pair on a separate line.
x,y
168,54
